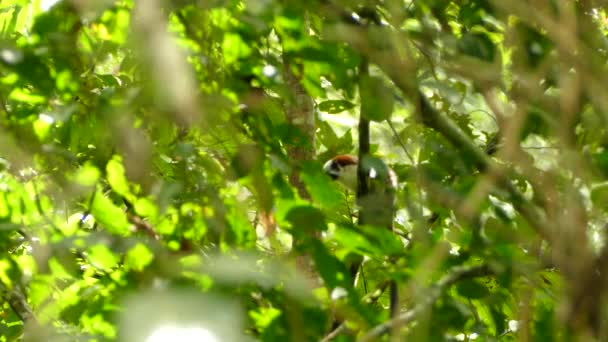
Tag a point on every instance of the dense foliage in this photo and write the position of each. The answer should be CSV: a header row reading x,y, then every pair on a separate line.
x,y
162,169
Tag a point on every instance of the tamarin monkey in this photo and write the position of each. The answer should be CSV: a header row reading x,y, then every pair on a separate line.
x,y
379,202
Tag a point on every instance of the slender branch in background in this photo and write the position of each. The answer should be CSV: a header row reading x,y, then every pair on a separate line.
x,y
401,143
371,198
434,293
442,124
341,328
370,298
43,214
364,146
428,58
18,303
364,143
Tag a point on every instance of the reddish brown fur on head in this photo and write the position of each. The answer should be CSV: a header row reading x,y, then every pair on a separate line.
x,y
343,168
345,159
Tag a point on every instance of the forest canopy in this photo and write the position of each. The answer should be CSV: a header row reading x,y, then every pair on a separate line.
x,y
166,170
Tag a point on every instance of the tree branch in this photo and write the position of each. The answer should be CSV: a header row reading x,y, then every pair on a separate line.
x,y
457,274
18,303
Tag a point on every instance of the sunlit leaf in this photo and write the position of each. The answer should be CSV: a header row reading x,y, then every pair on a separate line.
x,y
138,257
87,175
234,47
110,216
335,106
117,178
145,207
102,257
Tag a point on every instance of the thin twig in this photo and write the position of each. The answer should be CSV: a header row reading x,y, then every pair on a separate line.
x,y
18,303
38,204
369,298
435,292
334,333
401,143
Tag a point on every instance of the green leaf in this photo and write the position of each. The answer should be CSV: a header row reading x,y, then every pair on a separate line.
x,y
109,215
248,158
544,324
87,175
334,273
145,207
138,257
234,47
326,135
26,96
536,44
263,317
500,320
42,128
599,195
377,100
335,106
450,313
473,289
353,240
102,257
306,219
478,45
320,187
240,227
385,239
117,178
600,161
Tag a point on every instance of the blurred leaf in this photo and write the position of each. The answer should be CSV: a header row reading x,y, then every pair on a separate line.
x,y
477,45
138,257
544,327
241,228
102,257
246,160
320,187
109,215
600,160
355,241
377,100
234,47
334,273
264,317
472,289
306,219
386,240
537,46
117,178
335,106
87,175
450,313
500,320
145,207
599,193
